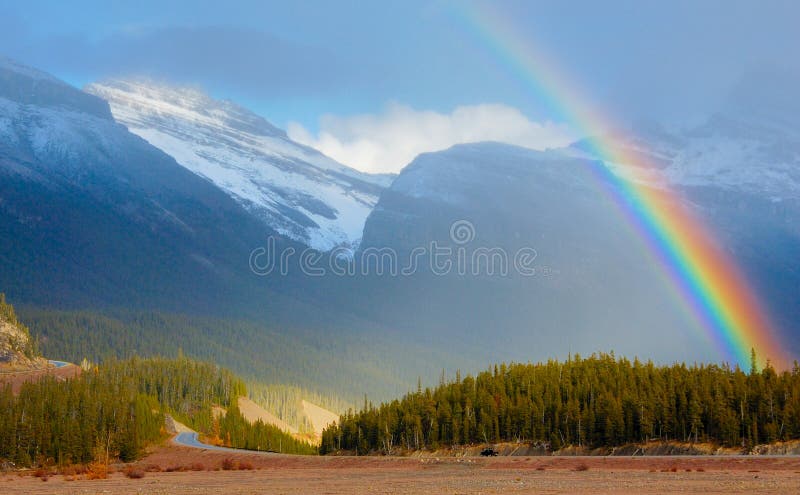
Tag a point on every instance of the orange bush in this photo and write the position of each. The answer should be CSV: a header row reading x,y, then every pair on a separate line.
x,y
97,471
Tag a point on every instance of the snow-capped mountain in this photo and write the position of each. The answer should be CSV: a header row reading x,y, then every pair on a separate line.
x,y
594,282
751,144
738,172
294,189
91,213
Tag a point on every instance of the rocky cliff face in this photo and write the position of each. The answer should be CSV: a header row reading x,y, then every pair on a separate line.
x,y
17,352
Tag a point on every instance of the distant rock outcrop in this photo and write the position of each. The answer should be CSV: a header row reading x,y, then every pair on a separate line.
x,y
17,350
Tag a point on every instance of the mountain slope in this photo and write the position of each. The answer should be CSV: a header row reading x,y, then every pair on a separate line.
x,y
594,285
92,214
294,189
752,143
740,170
93,217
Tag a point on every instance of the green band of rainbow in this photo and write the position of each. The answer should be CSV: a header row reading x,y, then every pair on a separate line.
x,y
707,280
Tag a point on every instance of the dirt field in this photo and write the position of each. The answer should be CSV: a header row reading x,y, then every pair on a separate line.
x,y
19,378
282,474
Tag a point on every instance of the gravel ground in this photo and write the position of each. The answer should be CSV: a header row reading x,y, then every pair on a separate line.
x,y
280,474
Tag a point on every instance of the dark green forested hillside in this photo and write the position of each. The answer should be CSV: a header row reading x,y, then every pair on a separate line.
x,y
326,362
118,408
600,401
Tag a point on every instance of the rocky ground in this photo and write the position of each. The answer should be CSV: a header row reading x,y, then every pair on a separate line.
x,y
13,341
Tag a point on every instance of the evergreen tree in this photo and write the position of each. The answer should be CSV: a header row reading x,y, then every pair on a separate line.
x,y
599,401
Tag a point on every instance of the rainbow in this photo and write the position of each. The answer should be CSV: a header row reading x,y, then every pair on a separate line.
x,y
706,279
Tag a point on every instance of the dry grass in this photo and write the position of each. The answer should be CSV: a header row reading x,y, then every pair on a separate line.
x,y
228,464
320,417
70,470
41,473
293,475
134,472
253,412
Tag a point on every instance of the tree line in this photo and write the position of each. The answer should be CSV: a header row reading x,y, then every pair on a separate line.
x,y
593,402
233,430
324,368
116,409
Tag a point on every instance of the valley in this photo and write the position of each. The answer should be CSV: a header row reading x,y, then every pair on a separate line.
x,y
427,247
166,268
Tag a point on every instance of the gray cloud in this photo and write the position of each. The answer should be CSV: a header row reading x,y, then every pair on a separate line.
x,y
239,59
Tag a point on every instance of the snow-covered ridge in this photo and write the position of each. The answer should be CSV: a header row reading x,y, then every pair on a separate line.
x,y
29,86
294,189
29,72
753,152
748,153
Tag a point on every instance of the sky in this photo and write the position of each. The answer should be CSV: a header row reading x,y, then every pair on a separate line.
x,y
373,83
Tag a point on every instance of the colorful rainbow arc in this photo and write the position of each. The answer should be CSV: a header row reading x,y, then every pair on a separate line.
x,y
707,280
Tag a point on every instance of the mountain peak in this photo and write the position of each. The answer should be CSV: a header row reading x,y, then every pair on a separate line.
x,y
763,103
157,98
11,65
28,86
293,189
771,88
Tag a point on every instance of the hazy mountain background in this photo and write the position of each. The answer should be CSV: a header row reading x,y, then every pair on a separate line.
x,y
129,228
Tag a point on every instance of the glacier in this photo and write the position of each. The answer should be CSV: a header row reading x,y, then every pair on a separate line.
x,y
296,190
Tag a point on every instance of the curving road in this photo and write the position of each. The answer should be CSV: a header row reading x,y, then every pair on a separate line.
x,y
55,364
192,439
